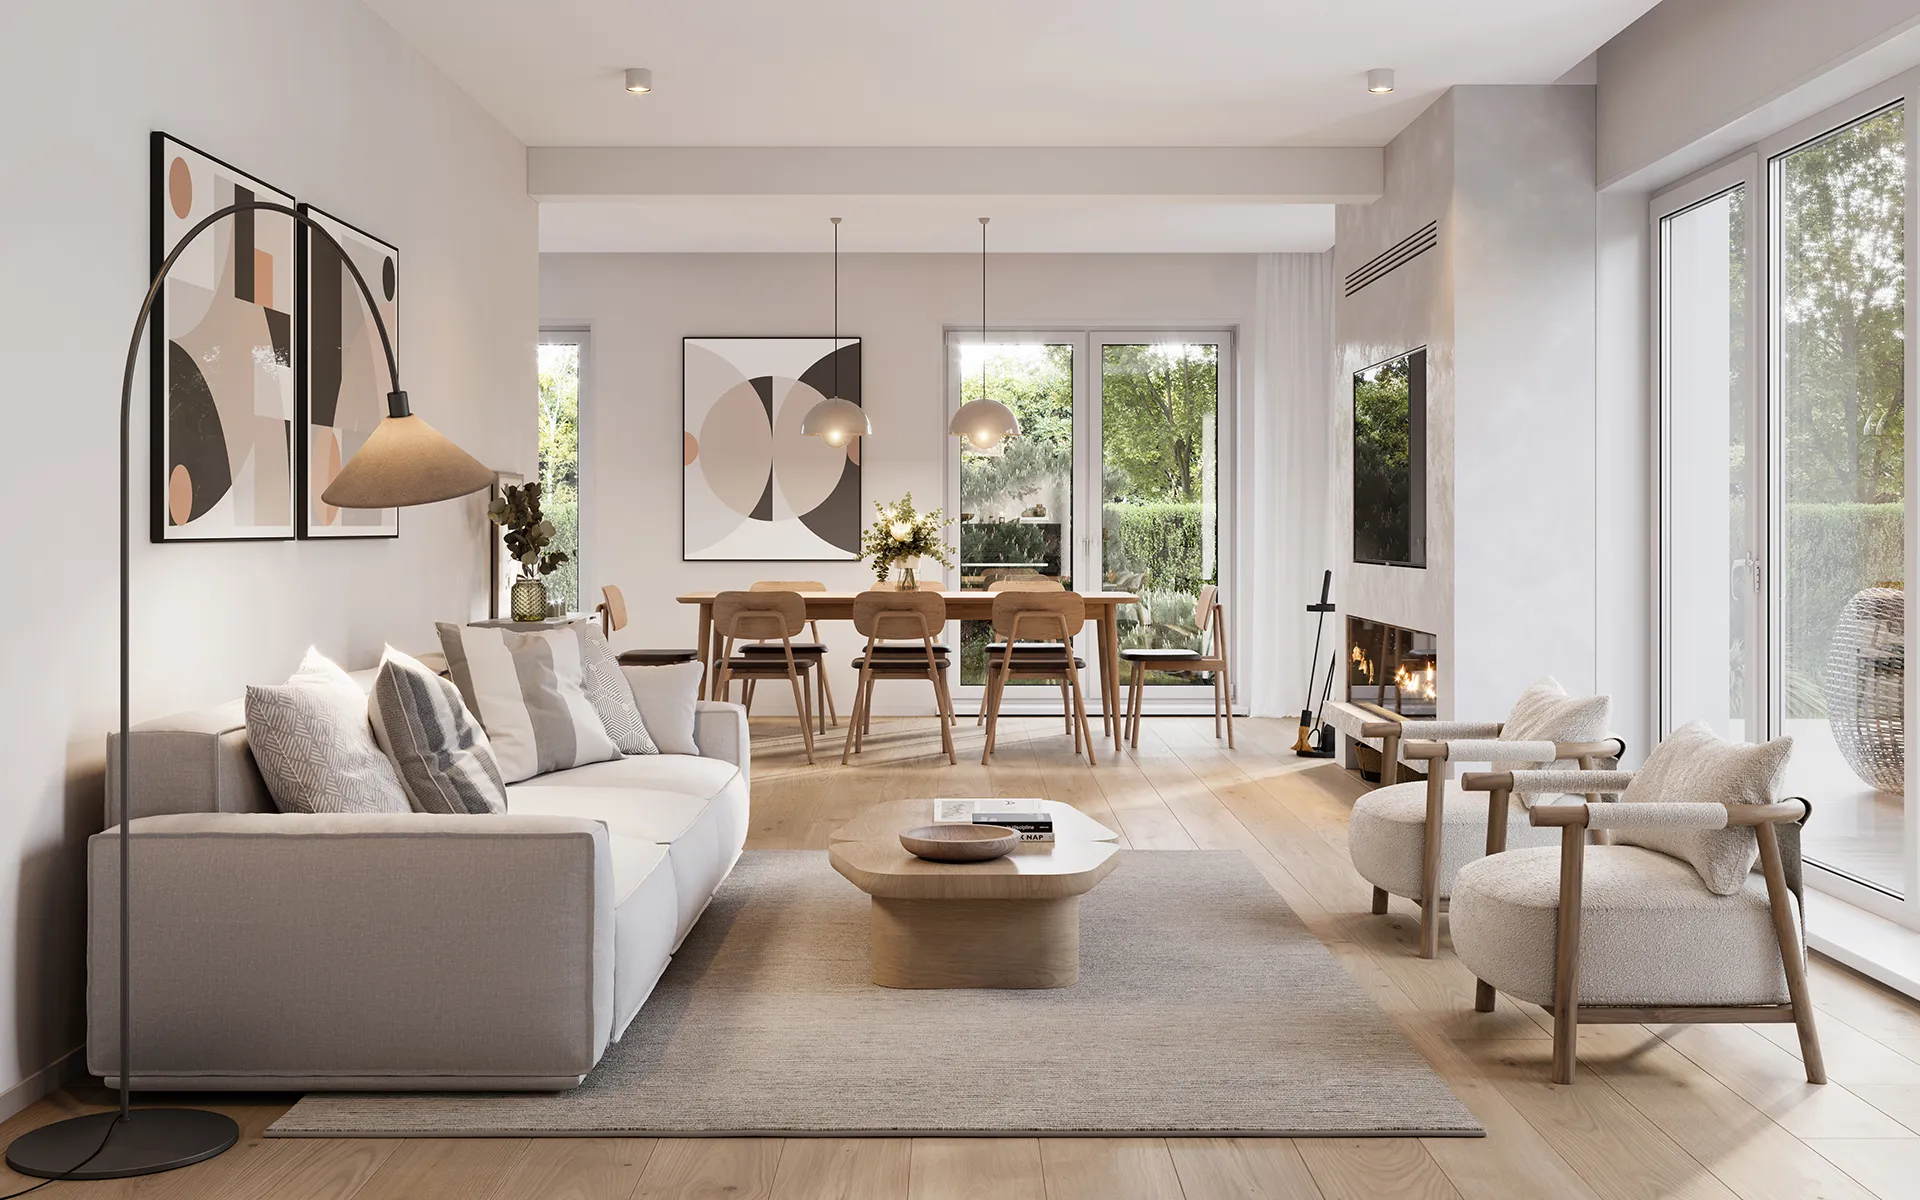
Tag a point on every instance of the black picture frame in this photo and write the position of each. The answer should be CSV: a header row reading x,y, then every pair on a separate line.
x,y
165,193
849,349
388,278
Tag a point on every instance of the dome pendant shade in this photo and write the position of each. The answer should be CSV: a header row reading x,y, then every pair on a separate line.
x,y
984,424
836,421
405,462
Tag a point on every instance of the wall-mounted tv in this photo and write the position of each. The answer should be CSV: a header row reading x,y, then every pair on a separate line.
x,y
1390,462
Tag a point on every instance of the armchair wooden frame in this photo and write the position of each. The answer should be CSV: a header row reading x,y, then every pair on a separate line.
x,y
899,617
764,617
1049,620
1568,1013
1436,754
1210,615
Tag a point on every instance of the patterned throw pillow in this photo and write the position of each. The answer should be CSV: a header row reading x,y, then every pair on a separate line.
x,y
1695,766
529,692
1545,713
314,747
439,751
610,693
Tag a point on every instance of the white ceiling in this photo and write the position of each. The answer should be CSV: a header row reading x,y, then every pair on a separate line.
x,y
990,72
933,224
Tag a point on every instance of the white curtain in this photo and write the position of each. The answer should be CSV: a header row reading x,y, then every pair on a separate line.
x,y
1285,533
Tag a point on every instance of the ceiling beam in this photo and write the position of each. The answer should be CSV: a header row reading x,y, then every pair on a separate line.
x,y
1293,175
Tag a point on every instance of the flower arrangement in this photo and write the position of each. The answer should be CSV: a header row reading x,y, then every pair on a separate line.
x,y
903,535
517,510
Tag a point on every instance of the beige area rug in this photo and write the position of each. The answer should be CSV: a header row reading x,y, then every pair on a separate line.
x,y
1204,1006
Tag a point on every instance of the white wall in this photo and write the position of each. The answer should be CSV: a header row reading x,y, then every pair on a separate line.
x,y
1505,307
1713,75
323,100
640,306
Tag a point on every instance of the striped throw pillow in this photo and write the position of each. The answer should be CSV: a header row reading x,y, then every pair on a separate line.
x,y
529,692
436,747
612,696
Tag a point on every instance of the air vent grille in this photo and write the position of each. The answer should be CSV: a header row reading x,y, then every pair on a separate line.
x,y
1394,257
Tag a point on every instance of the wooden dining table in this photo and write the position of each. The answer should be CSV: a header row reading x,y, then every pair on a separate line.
x,y
1103,613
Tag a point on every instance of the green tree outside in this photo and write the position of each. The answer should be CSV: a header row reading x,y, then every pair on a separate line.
x,y
560,463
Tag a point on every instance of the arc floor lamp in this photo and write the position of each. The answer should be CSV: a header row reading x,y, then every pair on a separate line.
x,y
405,462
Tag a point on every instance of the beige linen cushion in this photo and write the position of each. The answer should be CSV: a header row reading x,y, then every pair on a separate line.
x,y
1695,766
529,691
1545,713
666,698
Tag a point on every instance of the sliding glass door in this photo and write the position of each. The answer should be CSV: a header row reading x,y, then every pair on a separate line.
x,y
1783,375
1120,434
1838,265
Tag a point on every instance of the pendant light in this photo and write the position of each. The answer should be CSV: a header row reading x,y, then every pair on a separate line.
x,y
835,420
983,424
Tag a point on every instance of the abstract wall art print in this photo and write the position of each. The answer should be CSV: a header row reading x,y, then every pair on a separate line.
x,y
343,368
756,489
222,352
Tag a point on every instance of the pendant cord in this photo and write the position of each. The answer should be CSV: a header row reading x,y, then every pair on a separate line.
x,y
836,306
983,307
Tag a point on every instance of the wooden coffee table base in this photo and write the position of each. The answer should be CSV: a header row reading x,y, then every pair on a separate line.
x,y
975,943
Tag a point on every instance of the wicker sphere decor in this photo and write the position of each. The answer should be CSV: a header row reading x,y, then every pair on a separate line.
x,y
1867,685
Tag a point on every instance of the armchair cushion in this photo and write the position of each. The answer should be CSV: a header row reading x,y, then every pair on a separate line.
x,y
1545,713
1695,766
1650,934
1387,835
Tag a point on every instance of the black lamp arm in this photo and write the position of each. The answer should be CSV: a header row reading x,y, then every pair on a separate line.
x,y
396,407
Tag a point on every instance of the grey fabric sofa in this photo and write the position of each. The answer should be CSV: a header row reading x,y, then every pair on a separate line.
x,y
406,951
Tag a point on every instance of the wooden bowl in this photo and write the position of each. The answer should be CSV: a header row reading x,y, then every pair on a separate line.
x,y
960,843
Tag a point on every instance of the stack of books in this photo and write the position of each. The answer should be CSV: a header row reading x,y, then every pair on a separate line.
x,y
1029,817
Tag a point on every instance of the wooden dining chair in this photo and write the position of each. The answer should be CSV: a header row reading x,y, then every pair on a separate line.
x,y
816,649
1029,582
1039,628
765,618
1210,617
612,611
902,629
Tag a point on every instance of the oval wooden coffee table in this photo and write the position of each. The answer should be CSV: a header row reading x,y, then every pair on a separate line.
x,y
1013,922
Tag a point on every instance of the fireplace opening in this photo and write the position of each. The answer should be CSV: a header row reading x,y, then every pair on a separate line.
x,y
1391,670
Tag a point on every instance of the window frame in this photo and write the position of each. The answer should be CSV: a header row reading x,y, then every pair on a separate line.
x,y
1758,167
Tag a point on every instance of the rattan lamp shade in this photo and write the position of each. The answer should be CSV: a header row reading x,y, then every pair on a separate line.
x,y
406,462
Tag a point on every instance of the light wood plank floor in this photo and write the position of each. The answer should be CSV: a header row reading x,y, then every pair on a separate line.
x,y
1685,1111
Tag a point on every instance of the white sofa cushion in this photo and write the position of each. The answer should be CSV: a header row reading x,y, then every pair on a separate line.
x,y
667,697
611,694
1387,835
1650,932
697,807
646,919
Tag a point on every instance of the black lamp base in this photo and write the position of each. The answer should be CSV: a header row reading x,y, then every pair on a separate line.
x,y
149,1141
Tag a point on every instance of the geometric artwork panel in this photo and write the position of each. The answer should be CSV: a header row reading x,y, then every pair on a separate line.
x,y
223,381
343,367
755,488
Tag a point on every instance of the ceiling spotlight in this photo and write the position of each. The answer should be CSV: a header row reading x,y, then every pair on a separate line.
x,y
640,81
1379,81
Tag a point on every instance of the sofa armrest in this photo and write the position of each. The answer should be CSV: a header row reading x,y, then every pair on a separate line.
x,y
720,730
355,945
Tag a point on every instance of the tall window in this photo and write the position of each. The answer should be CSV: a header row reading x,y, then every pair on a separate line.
x,y
1016,500
1707,568
560,458
1159,528
1839,385
1782,288
1115,482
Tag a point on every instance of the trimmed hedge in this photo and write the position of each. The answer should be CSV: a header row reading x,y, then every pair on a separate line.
x,y
1160,540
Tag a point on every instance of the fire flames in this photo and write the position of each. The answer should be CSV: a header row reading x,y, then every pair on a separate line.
x,y
1420,683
